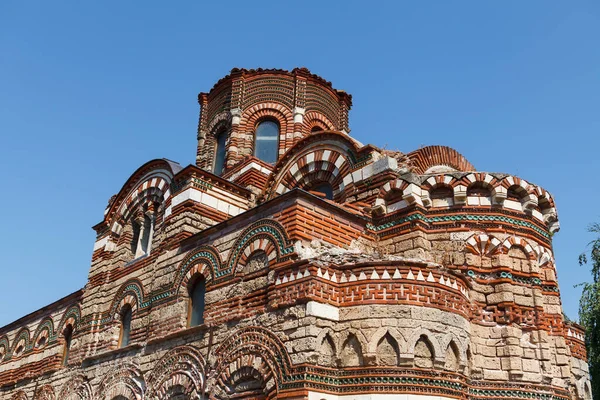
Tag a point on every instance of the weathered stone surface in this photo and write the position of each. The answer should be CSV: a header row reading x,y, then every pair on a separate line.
x,y
411,266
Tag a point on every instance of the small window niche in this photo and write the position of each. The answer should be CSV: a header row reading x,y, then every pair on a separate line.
x,y
197,295
68,336
125,333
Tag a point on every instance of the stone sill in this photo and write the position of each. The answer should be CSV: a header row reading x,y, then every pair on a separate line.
x,y
137,346
111,353
135,260
184,332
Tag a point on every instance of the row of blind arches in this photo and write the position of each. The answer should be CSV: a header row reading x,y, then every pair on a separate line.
x,y
266,144
197,292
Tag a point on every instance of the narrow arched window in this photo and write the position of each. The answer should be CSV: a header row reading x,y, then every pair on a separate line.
x,y
196,308
267,141
220,139
136,228
125,335
68,335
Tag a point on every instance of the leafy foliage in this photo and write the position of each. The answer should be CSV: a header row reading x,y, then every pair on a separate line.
x,y
589,310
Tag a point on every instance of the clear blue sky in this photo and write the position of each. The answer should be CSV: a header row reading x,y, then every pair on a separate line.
x,y
91,90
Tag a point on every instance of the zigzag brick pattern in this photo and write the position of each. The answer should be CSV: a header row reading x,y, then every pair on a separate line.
x,y
340,271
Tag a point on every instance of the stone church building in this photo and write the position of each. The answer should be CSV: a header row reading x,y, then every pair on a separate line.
x,y
293,262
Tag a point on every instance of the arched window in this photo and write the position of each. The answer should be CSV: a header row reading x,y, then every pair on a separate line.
x,y
196,307
325,188
125,335
142,231
316,128
220,139
68,335
267,141
135,240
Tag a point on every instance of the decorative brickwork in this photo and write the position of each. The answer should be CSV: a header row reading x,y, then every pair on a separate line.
x,y
416,275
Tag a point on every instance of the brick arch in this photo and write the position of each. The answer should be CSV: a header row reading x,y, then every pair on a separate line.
x,y
182,366
45,392
480,178
23,336
516,241
260,245
314,118
310,179
210,144
44,329
151,195
4,347
436,182
253,115
543,194
267,235
544,255
521,186
155,173
327,150
20,395
395,185
153,190
547,207
76,388
204,260
482,244
71,317
313,162
222,119
125,380
440,180
248,367
430,156
256,342
510,181
130,293
198,269
332,163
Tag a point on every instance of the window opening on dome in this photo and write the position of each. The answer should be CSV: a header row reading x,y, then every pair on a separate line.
x,y
267,141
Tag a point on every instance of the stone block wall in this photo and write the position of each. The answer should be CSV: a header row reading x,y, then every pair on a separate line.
x,y
420,279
